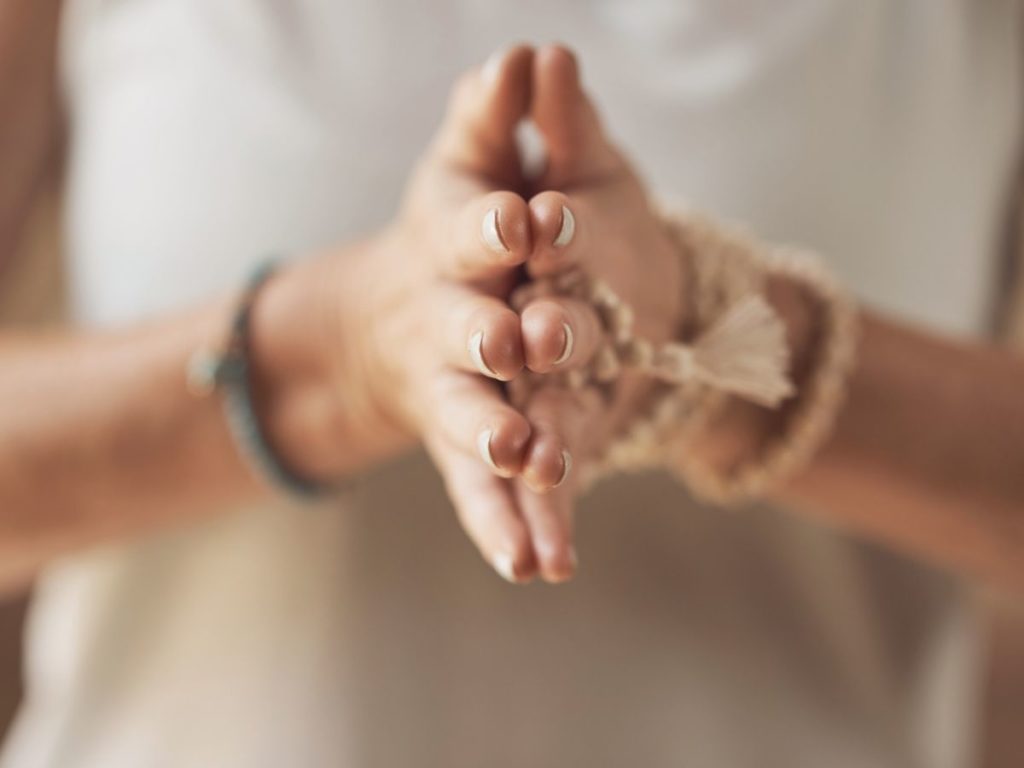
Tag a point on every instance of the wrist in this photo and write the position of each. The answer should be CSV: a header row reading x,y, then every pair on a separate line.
x,y
662,316
666,307
310,387
741,429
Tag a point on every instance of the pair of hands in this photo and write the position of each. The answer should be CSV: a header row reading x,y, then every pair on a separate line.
x,y
426,318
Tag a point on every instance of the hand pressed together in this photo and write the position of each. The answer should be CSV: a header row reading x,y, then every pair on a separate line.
x,y
423,334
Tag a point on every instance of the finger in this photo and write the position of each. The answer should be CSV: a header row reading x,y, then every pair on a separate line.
x,y
472,415
576,145
547,490
478,333
558,233
487,511
559,333
557,419
549,519
486,105
488,236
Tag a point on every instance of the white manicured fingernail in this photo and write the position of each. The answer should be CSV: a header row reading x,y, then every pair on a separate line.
x,y
493,65
568,229
476,351
570,342
491,234
505,567
566,467
483,445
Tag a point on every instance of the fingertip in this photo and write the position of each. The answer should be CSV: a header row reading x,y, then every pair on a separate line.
x,y
547,464
509,438
504,228
515,561
507,63
504,564
518,571
490,231
495,344
558,563
502,442
558,59
566,228
548,337
555,224
556,74
485,106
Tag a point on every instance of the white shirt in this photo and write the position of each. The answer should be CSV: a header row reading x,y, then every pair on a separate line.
x,y
207,133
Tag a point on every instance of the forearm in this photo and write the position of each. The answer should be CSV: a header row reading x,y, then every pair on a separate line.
x,y
927,453
100,437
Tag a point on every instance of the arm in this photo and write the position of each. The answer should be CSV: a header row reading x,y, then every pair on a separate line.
x,y
99,437
928,452
358,352
29,113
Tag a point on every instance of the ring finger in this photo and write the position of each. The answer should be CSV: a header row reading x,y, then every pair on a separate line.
x,y
477,332
471,414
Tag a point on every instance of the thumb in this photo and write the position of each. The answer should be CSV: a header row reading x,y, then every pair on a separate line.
x,y
486,104
577,149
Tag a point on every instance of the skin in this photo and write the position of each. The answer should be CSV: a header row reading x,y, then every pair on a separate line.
x,y
359,353
104,424
928,453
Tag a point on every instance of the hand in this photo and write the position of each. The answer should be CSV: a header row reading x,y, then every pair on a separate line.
x,y
420,332
618,239
418,327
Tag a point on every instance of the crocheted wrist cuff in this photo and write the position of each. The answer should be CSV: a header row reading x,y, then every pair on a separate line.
x,y
724,255
733,346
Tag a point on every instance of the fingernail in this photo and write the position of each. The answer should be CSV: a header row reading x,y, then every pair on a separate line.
x,y
570,342
567,230
566,467
491,234
476,351
505,567
483,445
493,65
574,559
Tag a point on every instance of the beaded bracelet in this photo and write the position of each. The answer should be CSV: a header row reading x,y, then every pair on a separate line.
x,y
229,372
